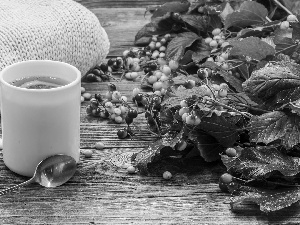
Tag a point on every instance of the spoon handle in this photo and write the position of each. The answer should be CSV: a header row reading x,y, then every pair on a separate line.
x,y
5,191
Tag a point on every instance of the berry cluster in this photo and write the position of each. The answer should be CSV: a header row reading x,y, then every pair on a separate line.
x,y
227,182
99,73
286,24
219,52
113,107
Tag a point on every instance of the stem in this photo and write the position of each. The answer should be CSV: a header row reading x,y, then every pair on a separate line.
x,y
248,115
283,7
269,20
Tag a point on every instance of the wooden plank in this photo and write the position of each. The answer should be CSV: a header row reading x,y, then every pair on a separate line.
x,y
121,26
120,3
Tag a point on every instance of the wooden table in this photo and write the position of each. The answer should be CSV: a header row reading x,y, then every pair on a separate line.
x,y
100,193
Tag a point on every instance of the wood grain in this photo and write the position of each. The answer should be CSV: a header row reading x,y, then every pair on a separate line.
x,y
121,26
120,3
100,193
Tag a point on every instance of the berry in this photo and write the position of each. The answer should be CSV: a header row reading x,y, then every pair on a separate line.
x,y
134,75
117,111
128,120
226,178
91,77
97,72
223,187
152,79
112,87
130,169
291,18
82,90
132,113
284,25
173,65
167,175
189,84
103,67
184,103
157,85
213,43
136,91
122,133
123,98
183,110
166,70
139,97
88,153
202,73
81,99
116,95
87,96
224,86
99,145
231,152
118,119
222,93
207,40
216,31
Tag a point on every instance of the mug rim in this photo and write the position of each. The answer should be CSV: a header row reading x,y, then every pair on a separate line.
x,y
70,84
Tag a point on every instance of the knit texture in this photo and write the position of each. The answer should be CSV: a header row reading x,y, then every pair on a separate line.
x,y
61,30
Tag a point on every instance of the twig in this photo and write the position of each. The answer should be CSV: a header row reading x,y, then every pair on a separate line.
x,y
283,7
269,20
245,114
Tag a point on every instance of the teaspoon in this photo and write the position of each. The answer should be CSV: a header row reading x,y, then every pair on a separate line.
x,y
50,172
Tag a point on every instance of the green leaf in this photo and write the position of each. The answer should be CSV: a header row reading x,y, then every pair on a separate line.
x,y
201,51
274,85
275,125
225,132
269,200
261,162
158,26
226,11
249,14
252,47
296,30
198,22
207,145
152,153
232,80
176,47
176,6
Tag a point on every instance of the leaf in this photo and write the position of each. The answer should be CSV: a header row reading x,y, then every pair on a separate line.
x,y
232,80
198,22
152,153
296,31
207,145
274,85
249,14
273,126
225,132
201,51
284,42
176,47
252,47
226,11
261,162
158,26
269,200
176,6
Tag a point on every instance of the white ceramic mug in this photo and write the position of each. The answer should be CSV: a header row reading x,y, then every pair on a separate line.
x,y
37,123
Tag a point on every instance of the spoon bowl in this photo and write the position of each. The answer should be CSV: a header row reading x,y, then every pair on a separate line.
x,y
53,171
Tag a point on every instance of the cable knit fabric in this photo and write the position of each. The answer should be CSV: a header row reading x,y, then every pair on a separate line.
x,y
61,30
